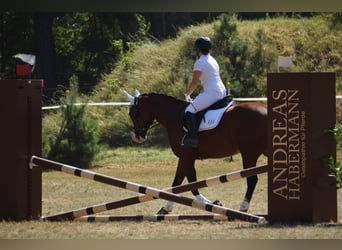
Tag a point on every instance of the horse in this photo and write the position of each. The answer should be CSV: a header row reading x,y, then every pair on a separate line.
x,y
242,129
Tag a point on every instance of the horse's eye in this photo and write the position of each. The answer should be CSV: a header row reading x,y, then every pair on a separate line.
x,y
134,113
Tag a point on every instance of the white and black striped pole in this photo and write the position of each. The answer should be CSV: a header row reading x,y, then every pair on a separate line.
x,y
145,190
164,217
71,215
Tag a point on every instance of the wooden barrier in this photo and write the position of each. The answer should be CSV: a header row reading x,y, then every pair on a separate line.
x,y
145,190
301,108
21,135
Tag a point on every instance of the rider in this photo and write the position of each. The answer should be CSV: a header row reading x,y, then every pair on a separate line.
x,y
206,70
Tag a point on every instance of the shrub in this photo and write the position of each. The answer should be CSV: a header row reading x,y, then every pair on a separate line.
x,y
244,66
76,141
335,165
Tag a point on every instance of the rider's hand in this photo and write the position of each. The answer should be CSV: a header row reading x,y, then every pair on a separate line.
x,y
187,98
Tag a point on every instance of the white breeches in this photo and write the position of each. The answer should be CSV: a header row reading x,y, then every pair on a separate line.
x,y
204,100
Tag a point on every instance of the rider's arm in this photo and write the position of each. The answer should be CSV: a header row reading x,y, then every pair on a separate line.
x,y
194,82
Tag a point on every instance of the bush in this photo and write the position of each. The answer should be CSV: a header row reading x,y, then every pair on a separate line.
x,y
76,141
245,64
335,165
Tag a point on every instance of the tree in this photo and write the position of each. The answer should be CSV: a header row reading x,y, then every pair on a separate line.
x,y
76,142
16,32
85,44
45,51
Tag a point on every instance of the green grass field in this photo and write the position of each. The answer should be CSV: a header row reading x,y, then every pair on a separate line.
x,y
156,168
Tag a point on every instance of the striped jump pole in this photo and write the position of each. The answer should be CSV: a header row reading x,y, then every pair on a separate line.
x,y
164,217
71,215
145,190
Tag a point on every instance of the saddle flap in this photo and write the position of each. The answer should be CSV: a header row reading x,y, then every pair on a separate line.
x,y
210,117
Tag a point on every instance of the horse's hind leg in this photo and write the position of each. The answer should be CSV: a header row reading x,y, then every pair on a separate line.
x,y
251,184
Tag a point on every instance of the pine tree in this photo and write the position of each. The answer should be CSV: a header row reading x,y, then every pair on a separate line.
x,y
76,142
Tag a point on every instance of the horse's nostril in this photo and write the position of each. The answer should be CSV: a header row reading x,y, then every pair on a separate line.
x,y
138,139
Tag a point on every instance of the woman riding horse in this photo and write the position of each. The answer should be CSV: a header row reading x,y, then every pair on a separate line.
x,y
243,128
206,70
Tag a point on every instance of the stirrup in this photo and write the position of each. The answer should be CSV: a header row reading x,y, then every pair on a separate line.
x,y
189,142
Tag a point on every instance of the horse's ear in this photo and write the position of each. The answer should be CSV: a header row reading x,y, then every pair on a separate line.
x,y
130,98
137,93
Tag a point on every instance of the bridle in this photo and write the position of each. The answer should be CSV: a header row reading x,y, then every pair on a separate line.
x,y
140,130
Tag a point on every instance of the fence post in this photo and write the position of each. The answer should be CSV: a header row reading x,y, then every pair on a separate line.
x,y
301,107
20,186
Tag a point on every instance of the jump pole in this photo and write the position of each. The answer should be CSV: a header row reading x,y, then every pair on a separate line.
x,y
165,217
145,190
71,215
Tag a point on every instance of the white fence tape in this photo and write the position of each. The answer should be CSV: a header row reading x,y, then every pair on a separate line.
x,y
90,104
248,99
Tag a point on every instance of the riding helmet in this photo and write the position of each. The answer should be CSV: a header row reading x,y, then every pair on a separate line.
x,y
203,44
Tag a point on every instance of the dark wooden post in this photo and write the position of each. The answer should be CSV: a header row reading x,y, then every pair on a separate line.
x,y
20,186
301,107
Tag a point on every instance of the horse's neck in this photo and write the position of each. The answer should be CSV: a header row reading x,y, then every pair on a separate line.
x,y
167,110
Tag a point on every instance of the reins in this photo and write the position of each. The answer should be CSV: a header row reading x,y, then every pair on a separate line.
x,y
154,124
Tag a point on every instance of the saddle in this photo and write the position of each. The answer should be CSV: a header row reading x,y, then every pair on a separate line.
x,y
210,117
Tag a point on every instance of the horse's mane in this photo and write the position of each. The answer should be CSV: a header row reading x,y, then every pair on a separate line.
x,y
171,98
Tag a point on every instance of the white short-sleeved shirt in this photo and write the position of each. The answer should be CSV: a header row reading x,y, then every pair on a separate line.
x,y
213,86
210,74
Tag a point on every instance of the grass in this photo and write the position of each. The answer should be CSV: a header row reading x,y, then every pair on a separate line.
x,y
155,167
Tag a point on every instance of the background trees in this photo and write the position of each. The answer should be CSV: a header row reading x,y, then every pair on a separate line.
x,y
85,44
89,44
111,52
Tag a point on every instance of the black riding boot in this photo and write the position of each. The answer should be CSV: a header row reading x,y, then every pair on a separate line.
x,y
191,139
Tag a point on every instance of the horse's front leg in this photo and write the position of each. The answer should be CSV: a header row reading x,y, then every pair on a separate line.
x,y
179,177
186,167
191,175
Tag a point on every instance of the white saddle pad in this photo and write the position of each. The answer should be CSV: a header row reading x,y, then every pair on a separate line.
x,y
213,117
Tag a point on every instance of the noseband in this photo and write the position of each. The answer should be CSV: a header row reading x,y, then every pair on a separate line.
x,y
140,130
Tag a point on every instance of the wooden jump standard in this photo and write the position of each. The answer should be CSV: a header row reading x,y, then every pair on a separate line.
x,y
153,192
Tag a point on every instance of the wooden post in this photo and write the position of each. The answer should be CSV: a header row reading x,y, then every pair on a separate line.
x,y
20,186
301,107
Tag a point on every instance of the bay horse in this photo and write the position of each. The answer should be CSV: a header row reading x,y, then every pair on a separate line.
x,y
242,129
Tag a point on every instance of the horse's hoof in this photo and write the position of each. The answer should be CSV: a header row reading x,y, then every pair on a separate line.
x,y
244,206
162,211
218,203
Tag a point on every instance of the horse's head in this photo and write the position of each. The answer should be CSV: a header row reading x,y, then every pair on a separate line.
x,y
140,115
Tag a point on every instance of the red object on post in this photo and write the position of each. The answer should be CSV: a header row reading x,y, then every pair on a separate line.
x,y
23,70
